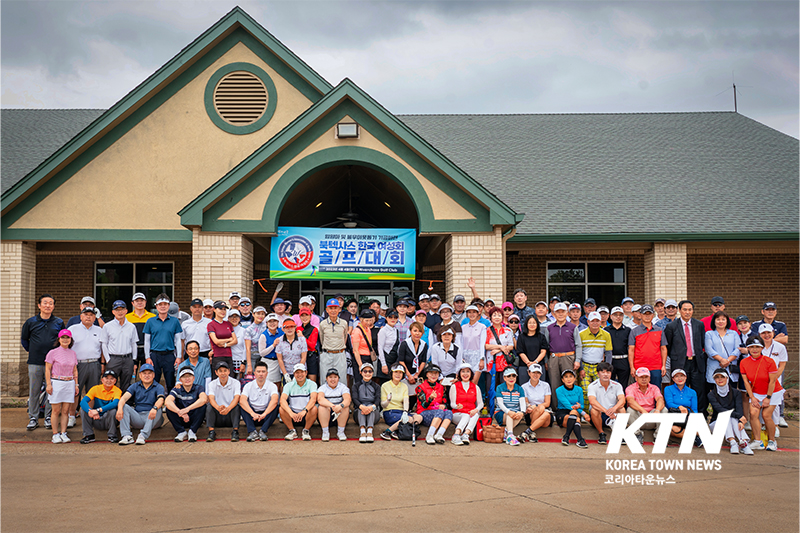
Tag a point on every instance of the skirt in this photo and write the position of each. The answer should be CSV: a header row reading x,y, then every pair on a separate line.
x,y
63,392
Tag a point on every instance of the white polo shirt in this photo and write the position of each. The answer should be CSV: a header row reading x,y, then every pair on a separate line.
x,y
535,395
197,331
224,394
605,397
259,397
87,341
119,339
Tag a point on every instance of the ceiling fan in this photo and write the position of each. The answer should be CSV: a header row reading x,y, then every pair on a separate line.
x,y
348,219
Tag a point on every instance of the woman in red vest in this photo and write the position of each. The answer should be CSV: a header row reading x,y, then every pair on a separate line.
x,y
467,402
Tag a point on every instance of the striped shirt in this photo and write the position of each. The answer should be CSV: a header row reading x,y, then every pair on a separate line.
x,y
595,345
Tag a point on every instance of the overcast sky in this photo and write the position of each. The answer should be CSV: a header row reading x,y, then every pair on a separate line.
x,y
436,57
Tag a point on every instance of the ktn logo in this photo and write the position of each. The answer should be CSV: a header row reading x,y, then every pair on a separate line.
x,y
696,425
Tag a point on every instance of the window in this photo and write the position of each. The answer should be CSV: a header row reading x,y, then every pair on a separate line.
x,y
120,281
606,282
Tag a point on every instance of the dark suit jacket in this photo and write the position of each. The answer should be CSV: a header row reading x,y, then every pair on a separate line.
x,y
676,343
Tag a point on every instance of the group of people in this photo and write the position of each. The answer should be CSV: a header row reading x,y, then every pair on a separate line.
x,y
423,362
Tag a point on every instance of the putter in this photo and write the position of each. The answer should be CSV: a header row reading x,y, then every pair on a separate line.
x,y
414,434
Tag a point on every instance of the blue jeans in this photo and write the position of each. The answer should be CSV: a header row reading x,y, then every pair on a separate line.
x,y
655,378
164,362
265,424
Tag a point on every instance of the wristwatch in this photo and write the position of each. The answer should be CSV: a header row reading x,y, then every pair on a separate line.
x,y
769,396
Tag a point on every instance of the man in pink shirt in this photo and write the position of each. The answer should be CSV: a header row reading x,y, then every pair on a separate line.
x,y
644,397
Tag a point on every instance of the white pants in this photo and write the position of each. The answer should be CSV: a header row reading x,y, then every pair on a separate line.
x,y
464,422
732,431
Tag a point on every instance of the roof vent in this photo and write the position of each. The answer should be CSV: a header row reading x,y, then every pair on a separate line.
x,y
240,98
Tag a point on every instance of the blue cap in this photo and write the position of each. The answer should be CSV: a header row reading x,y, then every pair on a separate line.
x,y
278,301
332,302
627,299
117,304
146,366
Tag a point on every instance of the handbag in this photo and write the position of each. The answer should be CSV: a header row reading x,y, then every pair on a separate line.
x,y
733,368
405,430
493,434
482,423
507,359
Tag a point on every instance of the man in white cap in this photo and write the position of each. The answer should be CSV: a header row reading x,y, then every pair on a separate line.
x,y
245,310
208,308
118,341
670,312
267,342
162,342
627,310
233,300
195,328
91,362
298,404
769,311
139,317
566,350
86,301
597,348
185,406
777,352
620,334
333,333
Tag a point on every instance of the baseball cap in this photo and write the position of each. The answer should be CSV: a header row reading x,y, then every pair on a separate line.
x,y
245,300
560,307
234,294
487,300
109,373
219,304
616,309
555,298
573,306
333,302
590,301
754,341
472,308
173,309
721,371
186,371
432,368
717,300
535,368
331,372
304,311
259,309
162,300
742,318
398,368
299,366
87,299
770,305
384,307
567,371
139,295
222,364
313,298
660,300
459,298
435,297
642,371
540,302
507,305
646,308
594,315
117,304
765,327
423,296
90,310
272,316
367,313
64,333
678,371
626,299
234,311
671,303
421,312
148,366
364,366
602,308
196,301
445,306
636,308
208,302
306,300
509,371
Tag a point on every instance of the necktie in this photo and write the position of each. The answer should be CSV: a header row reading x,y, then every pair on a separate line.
x,y
689,353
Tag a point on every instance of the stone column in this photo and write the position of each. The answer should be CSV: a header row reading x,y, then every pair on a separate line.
x,y
476,255
221,263
665,272
18,293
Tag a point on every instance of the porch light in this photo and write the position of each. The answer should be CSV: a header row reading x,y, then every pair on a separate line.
x,y
347,130
319,204
387,205
350,224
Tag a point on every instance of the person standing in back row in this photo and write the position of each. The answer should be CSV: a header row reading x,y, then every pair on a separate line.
x,y
333,340
39,334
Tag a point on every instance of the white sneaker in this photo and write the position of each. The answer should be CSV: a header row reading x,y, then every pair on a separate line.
x,y
180,437
758,446
777,432
429,439
326,437
783,423
734,447
363,438
456,440
192,436
291,435
71,422
370,438
64,437
140,440
127,439
57,438
306,435
772,446
342,436
745,446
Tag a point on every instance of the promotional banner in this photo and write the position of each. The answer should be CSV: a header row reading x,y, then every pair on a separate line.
x,y
342,253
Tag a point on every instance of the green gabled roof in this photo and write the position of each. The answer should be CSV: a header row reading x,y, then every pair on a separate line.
x,y
500,213
314,87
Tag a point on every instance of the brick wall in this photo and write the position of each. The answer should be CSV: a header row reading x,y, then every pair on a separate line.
x,y
17,289
476,255
221,263
530,272
746,281
665,272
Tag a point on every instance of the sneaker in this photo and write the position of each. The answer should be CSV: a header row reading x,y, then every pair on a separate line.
x,y
582,444
734,447
386,434
363,438
65,437
127,439
697,442
439,439
783,423
511,440
252,436
745,447
747,426
525,436
772,446
71,422
565,441
758,446
465,440
602,440
180,437
113,440
306,434
395,436
192,436
370,439
326,437
140,440
212,436
430,440
640,437
87,439
235,435
262,436
456,440
47,423
33,424
777,432
57,438
343,437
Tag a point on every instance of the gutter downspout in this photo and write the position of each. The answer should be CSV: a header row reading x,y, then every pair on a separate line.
x,y
507,235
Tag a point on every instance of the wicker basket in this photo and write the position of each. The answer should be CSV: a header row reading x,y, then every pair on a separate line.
x,y
493,434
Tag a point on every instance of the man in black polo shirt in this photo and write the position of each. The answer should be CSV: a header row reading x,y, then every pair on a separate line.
x,y
39,334
619,343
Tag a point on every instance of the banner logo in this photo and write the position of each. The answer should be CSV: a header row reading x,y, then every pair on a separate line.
x,y
696,426
296,252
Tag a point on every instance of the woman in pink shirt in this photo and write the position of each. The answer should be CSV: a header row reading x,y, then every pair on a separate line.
x,y
61,376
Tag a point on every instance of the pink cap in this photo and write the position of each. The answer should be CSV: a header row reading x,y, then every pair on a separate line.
x,y
64,333
508,305
642,371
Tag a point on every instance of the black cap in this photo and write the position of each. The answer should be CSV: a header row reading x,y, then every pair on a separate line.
x,y
223,364
432,368
742,318
89,309
590,301
332,372
555,299
717,300
367,313
392,314
219,304
770,305
196,301
109,373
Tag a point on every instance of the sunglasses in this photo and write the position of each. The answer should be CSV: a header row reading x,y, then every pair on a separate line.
x,y
244,305
513,321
